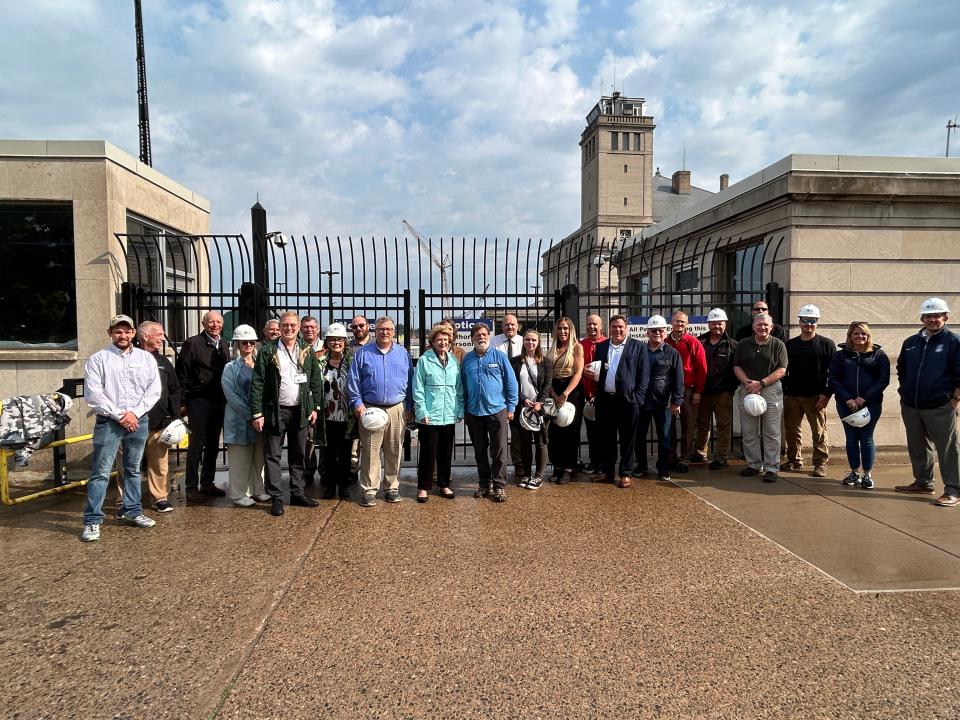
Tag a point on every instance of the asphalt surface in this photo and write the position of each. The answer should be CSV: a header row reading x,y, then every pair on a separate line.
x,y
713,597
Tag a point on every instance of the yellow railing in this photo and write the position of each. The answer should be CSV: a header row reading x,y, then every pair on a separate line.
x,y
5,476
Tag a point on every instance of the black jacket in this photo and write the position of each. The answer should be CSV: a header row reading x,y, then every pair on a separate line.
x,y
168,406
200,366
854,375
720,377
632,371
542,385
807,376
664,378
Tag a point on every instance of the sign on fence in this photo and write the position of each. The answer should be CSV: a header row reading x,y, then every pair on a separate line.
x,y
636,325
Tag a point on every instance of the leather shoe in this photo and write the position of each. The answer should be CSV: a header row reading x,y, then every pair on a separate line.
x,y
276,507
624,481
211,491
194,496
303,501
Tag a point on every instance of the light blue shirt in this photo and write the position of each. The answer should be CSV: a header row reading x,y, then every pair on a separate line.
x,y
614,353
380,378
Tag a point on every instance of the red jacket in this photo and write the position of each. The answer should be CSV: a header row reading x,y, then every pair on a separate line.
x,y
589,348
694,361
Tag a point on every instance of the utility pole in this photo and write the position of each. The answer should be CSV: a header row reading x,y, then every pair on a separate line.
x,y
146,154
951,126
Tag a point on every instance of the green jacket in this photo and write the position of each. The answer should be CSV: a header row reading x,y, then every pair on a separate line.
x,y
320,429
265,387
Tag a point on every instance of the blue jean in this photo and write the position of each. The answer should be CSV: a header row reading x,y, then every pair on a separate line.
x,y
860,448
108,437
661,419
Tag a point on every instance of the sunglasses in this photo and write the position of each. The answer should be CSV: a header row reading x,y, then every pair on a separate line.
x,y
808,321
760,309
357,327
248,342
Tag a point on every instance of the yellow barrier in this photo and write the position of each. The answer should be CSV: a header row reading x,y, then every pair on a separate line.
x,y
5,479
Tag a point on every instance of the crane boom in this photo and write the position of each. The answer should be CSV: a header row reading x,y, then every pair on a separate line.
x,y
440,260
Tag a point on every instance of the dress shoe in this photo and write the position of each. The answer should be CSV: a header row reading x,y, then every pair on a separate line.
x,y
276,507
422,498
212,491
624,481
195,496
303,501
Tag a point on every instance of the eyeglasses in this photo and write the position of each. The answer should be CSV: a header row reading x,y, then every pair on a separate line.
x,y
358,326
289,325
247,342
385,329
808,321
935,316
657,330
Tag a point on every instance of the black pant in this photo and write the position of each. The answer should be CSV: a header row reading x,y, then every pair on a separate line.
x,y
289,417
336,460
595,441
436,446
616,418
661,420
489,432
539,439
564,442
206,424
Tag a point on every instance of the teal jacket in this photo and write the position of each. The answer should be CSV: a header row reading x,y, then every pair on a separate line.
x,y
437,390
320,429
265,386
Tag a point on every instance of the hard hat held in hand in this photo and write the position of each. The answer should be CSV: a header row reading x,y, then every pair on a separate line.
x,y
174,433
530,420
754,404
374,419
565,414
861,418
595,367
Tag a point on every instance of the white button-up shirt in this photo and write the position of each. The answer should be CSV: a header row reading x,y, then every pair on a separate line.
x,y
116,382
614,353
511,348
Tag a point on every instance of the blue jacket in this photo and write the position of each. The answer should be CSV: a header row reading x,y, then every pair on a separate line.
x,y
664,378
235,381
929,369
489,383
854,374
437,390
380,378
632,371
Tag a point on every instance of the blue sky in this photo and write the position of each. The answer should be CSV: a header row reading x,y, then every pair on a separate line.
x,y
464,117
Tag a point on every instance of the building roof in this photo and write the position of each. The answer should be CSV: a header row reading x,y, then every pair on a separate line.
x,y
666,202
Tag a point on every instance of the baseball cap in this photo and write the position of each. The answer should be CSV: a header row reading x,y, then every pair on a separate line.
x,y
117,319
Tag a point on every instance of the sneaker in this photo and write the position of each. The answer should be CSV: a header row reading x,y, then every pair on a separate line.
x,y
141,520
866,482
525,481
162,506
499,494
947,500
262,498
665,477
91,532
392,496
749,472
482,492
118,513
244,502
368,501
793,465
536,482
718,464
819,471
852,479
770,476
915,488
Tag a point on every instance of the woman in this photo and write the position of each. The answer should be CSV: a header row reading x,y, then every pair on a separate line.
x,y
335,426
458,352
244,444
533,379
566,364
437,407
859,373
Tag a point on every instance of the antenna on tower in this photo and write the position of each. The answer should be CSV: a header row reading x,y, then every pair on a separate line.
x,y
614,73
146,155
951,126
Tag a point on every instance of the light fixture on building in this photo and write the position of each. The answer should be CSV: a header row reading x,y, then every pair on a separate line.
x,y
278,239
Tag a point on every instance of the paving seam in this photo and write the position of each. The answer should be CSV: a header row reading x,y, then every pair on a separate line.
x,y
271,611
815,567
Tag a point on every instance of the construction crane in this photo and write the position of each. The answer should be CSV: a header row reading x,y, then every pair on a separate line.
x,y
441,260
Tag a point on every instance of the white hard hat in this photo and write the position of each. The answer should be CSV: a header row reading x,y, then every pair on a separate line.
x,y
933,305
244,332
174,433
594,367
716,315
374,419
565,414
657,321
530,420
66,402
755,404
336,330
590,410
861,418
809,310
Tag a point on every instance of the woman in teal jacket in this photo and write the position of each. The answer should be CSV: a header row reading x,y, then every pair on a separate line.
x,y
437,407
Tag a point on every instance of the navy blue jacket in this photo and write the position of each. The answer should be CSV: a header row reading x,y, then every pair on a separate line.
x,y
854,375
632,375
665,378
929,369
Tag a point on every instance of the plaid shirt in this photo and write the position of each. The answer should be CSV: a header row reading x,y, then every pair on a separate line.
x,y
116,382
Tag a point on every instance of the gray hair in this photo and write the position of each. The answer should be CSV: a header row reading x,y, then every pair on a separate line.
x,y
763,317
147,327
384,318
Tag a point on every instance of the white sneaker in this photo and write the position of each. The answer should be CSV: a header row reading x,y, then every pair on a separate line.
x,y
244,502
141,521
262,497
91,533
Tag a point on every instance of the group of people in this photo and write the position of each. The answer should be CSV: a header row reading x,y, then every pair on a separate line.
x,y
342,404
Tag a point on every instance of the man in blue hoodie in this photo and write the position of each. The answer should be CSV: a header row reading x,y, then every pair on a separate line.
x,y
929,373
489,397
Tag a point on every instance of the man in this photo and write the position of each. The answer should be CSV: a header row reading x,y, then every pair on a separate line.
x,y
286,394
760,306
380,376
271,330
162,414
759,362
662,398
694,377
806,392
589,344
361,333
490,394
510,342
928,369
313,455
617,388
716,400
121,384
199,368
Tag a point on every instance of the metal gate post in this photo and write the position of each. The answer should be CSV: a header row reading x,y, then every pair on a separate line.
x,y
128,292
775,301
406,319
422,335
258,224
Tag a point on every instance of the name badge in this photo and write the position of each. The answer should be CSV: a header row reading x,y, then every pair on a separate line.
x,y
300,378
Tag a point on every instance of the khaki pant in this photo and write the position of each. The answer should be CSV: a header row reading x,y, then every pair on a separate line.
x,y
794,410
761,435
390,440
156,455
684,424
246,469
721,407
